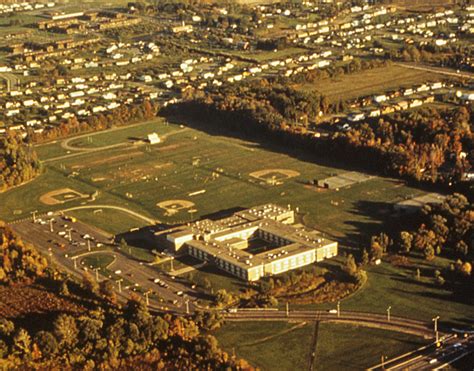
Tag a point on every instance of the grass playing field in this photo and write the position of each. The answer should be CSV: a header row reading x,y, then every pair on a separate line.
x,y
211,173
287,346
377,80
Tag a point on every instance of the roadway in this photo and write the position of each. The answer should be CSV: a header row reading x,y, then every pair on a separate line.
x,y
398,324
431,357
112,207
68,252
173,294
440,70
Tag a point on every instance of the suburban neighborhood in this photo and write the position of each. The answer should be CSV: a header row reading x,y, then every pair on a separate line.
x,y
241,185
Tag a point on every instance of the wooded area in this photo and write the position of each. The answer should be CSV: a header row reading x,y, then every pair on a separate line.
x,y
106,334
425,145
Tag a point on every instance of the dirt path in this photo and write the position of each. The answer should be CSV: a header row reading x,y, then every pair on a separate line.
x,y
266,338
314,342
442,71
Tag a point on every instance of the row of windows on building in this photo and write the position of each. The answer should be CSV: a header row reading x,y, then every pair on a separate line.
x,y
272,238
225,265
293,262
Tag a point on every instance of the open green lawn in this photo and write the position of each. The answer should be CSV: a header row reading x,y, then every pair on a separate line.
x,y
347,347
279,54
111,221
51,150
217,278
101,261
377,80
287,346
123,134
397,287
268,345
139,179
218,169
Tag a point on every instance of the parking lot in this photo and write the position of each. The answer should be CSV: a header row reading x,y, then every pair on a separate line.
x,y
68,243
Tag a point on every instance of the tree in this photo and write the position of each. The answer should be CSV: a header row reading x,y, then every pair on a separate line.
x,y
108,291
429,253
405,242
65,330
46,342
466,269
376,251
462,248
63,289
438,225
351,269
159,329
223,298
22,342
137,311
6,327
123,244
4,351
90,283
90,329
365,258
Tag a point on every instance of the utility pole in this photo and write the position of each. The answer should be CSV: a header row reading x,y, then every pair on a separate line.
x,y
435,320
388,313
338,308
172,258
34,215
187,306
119,282
88,245
70,234
287,309
51,225
383,362
75,262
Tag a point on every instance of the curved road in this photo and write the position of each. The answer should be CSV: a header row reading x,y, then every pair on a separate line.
x,y
399,324
125,210
439,70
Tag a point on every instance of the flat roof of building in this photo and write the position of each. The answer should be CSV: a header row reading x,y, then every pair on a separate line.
x,y
222,238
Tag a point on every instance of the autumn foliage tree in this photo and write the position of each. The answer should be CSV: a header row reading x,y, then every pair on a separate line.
x,y
19,261
18,162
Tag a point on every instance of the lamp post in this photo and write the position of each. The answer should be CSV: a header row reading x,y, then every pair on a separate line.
x,y
338,308
97,274
147,300
435,320
119,282
388,313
